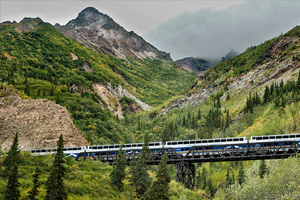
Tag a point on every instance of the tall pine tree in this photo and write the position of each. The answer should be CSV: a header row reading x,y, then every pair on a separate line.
x,y
55,188
118,174
262,168
12,189
160,188
36,184
13,157
241,178
140,178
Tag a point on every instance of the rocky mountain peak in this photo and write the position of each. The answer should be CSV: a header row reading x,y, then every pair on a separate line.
x,y
100,32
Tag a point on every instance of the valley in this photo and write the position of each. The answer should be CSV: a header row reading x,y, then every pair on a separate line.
x,y
97,83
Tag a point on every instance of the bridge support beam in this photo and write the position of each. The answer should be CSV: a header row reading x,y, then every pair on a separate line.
x,y
185,173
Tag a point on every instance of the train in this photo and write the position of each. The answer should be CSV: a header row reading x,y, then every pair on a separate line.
x,y
182,147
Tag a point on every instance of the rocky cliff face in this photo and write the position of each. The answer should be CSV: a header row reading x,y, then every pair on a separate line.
x,y
38,122
100,32
197,65
111,97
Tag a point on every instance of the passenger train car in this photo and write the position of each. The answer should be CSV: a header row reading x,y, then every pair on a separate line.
x,y
183,147
180,147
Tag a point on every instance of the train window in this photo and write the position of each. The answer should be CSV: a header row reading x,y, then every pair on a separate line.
x,y
43,150
292,136
187,149
180,142
285,136
204,141
272,137
151,144
279,137
111,146
174,143
140,145
259,138
253,138
265,138
156,144
100,147
297,135
217,141
117,146
198,141
134,145
193,142
182,149
105,147
223,140
235,139
210,141
229,139
186,142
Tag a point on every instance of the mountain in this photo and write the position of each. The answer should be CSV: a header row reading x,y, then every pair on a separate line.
x,y
100,32
200,65
194,64
229,55
97,89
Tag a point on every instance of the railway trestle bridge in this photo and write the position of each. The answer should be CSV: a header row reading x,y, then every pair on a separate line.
x,y
184,161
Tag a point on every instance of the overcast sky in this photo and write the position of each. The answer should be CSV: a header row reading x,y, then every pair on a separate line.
x,y
204,28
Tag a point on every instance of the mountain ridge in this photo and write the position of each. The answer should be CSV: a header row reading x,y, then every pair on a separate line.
x,y
99,32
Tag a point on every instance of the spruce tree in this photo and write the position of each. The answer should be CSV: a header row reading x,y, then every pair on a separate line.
x,y
55,189
227,96
160,188
13,157
267,95
209,189
36,184
203,178
118,174
140,178
229,180
262,168
12,189
241,178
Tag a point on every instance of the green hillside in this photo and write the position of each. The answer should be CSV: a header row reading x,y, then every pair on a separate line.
x,y
42,63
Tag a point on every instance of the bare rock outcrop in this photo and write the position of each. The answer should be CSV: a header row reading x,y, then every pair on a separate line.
x,y
111,97
38,122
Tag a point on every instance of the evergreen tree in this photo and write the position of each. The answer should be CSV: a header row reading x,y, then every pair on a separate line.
x,y
209,189
241,178
55,189
203,178
229,180
267,95
140,178
13,157
160,188
298,81
12,189
218,103
262,168
227,96
198,179
199,114
118,174
227,120
36,184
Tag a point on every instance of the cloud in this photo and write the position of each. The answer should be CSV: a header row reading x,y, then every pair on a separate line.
x,y
212,33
